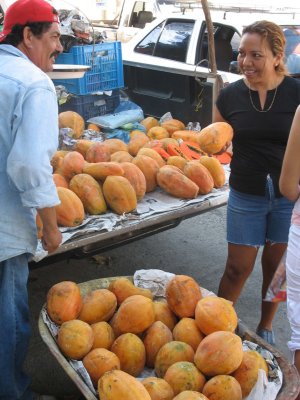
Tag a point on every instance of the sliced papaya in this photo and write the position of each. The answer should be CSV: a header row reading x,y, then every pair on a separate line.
x,y
165,155
175,150
224,158
190,154
195,147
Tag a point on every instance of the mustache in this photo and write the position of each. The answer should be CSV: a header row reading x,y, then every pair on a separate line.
x,y
55,54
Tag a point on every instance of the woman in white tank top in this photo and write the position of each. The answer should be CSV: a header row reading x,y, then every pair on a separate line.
x,y
289,187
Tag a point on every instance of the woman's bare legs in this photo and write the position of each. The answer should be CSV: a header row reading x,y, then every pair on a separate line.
x,y
239,265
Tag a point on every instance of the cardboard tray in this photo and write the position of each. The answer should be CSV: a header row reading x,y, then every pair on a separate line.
x,y
290,386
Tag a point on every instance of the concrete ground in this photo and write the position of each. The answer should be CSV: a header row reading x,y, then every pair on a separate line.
x,y
196,247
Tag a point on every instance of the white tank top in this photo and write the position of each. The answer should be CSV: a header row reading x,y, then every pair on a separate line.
x,y
296,213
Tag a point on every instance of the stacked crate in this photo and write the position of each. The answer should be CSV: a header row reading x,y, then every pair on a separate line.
x,y
105,74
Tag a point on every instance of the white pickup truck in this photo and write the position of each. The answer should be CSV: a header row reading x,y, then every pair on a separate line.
x,y
167,67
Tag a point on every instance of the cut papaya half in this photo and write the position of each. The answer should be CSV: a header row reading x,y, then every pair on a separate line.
x,y
190,154
175,150
162,152
224,158
195,147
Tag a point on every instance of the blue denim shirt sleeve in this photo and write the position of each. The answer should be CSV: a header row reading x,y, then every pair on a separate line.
x,y
34,142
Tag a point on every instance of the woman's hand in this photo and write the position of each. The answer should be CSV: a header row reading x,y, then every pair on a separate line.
x,y
227,147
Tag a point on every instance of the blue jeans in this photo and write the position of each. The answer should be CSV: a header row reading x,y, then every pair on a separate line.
x,y
254,220
15,328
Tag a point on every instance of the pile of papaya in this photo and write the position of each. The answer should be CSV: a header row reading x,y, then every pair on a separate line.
x,y
187,340
95,177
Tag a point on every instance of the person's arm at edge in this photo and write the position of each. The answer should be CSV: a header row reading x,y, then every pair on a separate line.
x,y
290,172
52,236
217,117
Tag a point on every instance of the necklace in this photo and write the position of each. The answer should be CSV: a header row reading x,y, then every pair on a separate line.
x,y
270,106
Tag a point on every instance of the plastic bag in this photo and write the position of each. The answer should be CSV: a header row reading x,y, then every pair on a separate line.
x,y
119,134
126,105
277,289
112,121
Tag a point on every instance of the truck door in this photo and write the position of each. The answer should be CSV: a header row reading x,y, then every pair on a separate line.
x,y
227,40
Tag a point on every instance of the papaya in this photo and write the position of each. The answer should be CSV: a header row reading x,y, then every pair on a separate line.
x,y
173,181
90,193
119,194
222,387
123,287
97,152
184,375
216,170
149,168
131,352
200,175
219,353
214,313
247,373
72,120
70,211
101,170
183,294
214,137
136,177
171,353
119,385
158,388
155,337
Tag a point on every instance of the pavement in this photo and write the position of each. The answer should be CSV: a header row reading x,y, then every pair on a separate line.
x,y
196,247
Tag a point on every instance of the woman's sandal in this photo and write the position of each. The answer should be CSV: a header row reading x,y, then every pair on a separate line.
x,y
266,335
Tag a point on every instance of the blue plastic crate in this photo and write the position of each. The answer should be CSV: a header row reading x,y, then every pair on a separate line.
x,y
92,105
106,73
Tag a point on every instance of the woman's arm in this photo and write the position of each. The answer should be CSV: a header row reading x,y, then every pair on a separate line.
x,y
217,117
290,172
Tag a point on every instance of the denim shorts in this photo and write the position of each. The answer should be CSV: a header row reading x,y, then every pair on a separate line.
x,y
254,220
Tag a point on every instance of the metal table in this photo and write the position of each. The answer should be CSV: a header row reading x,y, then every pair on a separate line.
x,y
97,242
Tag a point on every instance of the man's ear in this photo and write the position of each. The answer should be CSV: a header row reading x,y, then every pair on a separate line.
x,y
27,37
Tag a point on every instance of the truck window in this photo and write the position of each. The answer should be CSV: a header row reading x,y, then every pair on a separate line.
x,y
146,46
227,42
174,41
169,41
142,13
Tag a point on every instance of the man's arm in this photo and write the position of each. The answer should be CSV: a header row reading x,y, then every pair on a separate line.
x,y
52,237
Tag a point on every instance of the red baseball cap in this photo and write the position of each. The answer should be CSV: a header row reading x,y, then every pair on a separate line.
x,y
23,12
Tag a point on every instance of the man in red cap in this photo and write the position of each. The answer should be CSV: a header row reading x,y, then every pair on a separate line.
x,y
29,44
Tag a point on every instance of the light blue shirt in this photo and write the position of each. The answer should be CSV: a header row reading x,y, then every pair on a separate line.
x,y
28,139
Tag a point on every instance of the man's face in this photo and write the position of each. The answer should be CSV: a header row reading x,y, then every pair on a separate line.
x,y
43,50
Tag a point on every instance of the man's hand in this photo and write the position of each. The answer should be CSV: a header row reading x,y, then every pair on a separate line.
x,y
52,236
51,239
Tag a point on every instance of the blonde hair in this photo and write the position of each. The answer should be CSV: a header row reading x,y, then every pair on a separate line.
x,y
274,37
